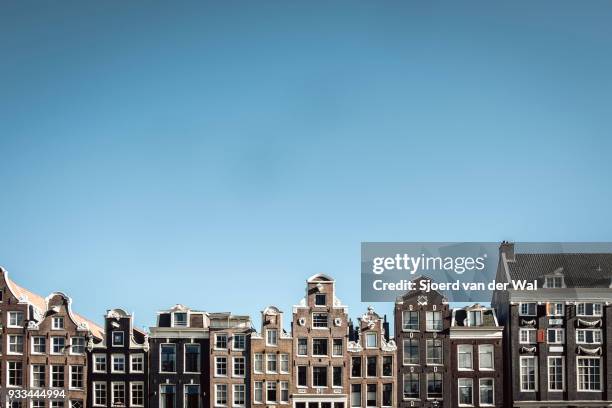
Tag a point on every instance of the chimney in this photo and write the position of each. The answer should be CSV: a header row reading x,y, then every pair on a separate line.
x,y
507,248
386,328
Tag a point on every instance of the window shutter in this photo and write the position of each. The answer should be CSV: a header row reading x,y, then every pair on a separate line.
x,y
541,336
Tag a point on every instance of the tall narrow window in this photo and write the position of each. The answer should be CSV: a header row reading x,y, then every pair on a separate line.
x,y
556,382
337,376
337,349
99,394
258,363
387,368
167,396
434,385
57,376
168,358
38,375
434,351
192,358
411,386
118,396
319,376
137,394
466,391
258,392
411,351
302,346
221,394
15,373
434,321
271,337
270,391
487,394
410,320
387,395
370,340
485,356
301,376
371,366
356,367
76,376
355,395
464,356
239,367
239,394
371,395
528,367
589,373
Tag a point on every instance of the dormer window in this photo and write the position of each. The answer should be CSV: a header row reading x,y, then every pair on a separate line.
x,y
475,318
371,340
320,299
180,319
555,280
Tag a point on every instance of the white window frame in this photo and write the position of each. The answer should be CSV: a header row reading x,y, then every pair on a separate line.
x,y
173,317
562,373
601,373
131,400
8,346
32,377
283,358
492,348
528,330
234,365
94,368
217,386
559,335
132,357
9,318
368,336
83,377
535,309
234,403
239,335
256,385
125,396
482,404
578,331
185,358
469,381
72,345
258,358
217,336
297,347
113,358
268,360
33,345
122,338
470,351
583,305
535,370
104,388
555,313
268,333
53,338
175,360
58,319
404,325
227,368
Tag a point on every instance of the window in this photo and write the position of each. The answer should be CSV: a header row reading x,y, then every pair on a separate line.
x,y
118,393
57,404
337,376
168,358
58,323
302,346
528,367
137,394
411,351
239,366
319,320
137,363
36,403
15,319
319,376
475,318
15,373
466,388
220,341
355,395
555,309
258,392
99,363
588,336
271,363
387,370
118,339
258,362
99,394
239,394
271,337
319,347
270,391
589,373
371,366
220,394
284,363
527,336
301,376
370,340
118,363
553,282
38,376
527,309
371,395
556,382
15,344
434,351
487,396
39,345
77,345
337,347
589,309
320,299
167,396
410,320
387,395
356,367
192,396
555,336
464,356
485,357
239,341
284,387
180,320
434,385
434,321
58,344
57,376
221,366
192,358
76,376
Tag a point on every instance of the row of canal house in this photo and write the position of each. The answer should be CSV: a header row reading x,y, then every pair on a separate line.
x,y
548,348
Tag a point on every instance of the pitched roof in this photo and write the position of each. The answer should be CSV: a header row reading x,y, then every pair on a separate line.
x,y
40,303
579,270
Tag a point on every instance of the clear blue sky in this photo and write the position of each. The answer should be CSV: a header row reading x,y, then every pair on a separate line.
x,y
218,154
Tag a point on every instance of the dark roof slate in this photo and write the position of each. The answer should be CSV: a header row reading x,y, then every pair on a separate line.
x,y
580,270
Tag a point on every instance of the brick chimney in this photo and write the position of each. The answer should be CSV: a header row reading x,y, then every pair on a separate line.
x,y
507,248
